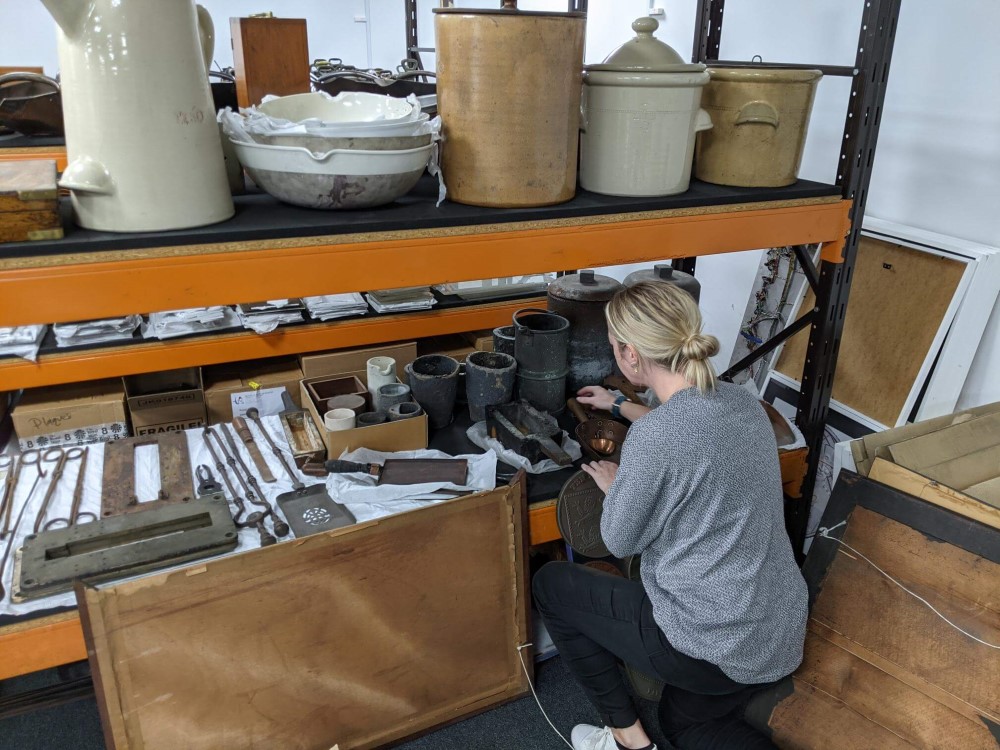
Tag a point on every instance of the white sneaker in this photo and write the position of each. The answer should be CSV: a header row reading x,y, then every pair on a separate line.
x,y
589,737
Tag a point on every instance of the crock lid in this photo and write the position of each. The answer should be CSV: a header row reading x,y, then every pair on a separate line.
x,y
586,286
646,53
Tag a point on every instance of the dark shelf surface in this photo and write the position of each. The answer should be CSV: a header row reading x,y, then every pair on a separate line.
x,y
261,217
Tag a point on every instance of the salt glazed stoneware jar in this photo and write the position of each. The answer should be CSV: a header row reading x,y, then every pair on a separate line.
x,y
640,113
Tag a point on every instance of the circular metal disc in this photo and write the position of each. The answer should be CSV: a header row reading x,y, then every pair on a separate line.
x,y
578,514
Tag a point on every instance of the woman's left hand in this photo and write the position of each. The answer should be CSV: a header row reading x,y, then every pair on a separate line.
x,y
603,473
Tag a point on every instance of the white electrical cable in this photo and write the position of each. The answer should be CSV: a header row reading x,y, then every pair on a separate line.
x,y
525,668
825,534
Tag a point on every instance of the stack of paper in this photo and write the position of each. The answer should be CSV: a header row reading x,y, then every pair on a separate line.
x,y
400,300
172,323
21,341
330,306
96,331
264,317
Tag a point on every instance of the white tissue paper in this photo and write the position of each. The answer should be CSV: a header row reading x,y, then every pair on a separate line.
x,y
22,341
330,306
173,323
479,435
367,500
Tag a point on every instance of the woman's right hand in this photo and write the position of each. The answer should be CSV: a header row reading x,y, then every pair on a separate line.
x,y
595,396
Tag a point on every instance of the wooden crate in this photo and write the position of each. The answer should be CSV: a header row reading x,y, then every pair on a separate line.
x,y
29,201
271,56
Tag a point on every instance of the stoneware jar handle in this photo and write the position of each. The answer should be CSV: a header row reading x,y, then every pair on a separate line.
x,y
702,121
757,111
206,35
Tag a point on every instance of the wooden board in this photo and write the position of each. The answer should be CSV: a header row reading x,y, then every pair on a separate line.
x,y
271,56
926,489
881,669
898,299
356,637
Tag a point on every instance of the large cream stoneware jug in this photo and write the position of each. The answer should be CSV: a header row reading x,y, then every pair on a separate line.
x,y
141,136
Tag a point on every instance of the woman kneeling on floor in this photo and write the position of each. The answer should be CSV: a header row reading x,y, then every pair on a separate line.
x,y
722,607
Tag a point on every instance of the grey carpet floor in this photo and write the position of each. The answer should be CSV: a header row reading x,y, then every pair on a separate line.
x,y
515,726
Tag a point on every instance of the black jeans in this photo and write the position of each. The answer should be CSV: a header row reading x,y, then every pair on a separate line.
x,y
595,619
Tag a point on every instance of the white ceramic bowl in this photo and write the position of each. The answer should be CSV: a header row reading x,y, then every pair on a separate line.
x,y
337,179
348,107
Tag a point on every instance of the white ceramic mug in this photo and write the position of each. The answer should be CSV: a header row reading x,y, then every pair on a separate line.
x,y
339,419
381,371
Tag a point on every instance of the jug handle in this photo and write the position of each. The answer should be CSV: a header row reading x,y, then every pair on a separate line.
x,y
757,111
206,35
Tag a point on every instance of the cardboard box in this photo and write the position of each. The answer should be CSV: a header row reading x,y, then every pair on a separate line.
x,y
74,414
346,361
960,451
233,388
865,450
481,340
404,435
165,401
455,346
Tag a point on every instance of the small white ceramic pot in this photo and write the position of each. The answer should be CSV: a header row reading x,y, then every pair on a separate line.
x,y
339,419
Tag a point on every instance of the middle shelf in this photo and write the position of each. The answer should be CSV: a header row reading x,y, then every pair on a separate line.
x,y
152,356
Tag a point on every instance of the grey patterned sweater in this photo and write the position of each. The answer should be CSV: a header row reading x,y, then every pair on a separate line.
x,y
698,494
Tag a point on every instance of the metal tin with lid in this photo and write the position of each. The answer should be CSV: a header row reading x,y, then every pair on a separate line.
x,y
509,97
580,298
640,113
666,272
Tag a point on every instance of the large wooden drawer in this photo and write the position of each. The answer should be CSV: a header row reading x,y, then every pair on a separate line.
x,y
356,637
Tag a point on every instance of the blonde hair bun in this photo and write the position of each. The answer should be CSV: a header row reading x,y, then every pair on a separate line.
x,y
700,346
662,323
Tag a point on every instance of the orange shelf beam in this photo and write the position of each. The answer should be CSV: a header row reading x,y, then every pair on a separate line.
x,y
104,284
207,350
44,643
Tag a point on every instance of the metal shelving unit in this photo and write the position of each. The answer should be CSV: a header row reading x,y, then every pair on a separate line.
x,y
831,281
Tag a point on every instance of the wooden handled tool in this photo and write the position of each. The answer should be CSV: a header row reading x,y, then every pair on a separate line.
x,y
243,430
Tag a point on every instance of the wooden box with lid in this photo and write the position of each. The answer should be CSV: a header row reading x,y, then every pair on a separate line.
x,y
29,201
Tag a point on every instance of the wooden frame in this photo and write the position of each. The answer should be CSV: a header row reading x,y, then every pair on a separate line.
x,y
947,360
356,637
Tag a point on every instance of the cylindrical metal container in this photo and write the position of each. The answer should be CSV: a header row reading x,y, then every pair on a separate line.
x,y
580,298
508,90
541,347
759,117
489,381
666,272
503,340
433,381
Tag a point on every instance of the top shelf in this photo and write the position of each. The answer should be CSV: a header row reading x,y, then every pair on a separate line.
x,y
270,250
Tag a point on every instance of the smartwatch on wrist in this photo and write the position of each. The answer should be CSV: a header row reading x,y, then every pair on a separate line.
x,y
616,410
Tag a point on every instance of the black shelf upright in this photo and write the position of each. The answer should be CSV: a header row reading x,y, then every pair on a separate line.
x,y
831,282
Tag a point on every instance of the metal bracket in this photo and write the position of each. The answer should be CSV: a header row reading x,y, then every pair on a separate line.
x,y
176,484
